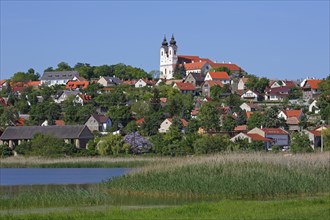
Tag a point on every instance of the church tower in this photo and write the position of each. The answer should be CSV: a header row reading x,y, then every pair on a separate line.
x,y
168,58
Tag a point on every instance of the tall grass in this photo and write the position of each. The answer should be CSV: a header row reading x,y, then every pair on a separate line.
x,y
242,176
80,162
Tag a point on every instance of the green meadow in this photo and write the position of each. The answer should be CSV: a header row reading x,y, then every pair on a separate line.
x,y
222,186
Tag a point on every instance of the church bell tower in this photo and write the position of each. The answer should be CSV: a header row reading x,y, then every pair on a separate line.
x,y
168,58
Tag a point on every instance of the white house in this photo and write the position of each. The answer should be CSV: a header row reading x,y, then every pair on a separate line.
x,y
166,124
250,95
249,107
197,67
3,83
58,77
219,76
64,95
98,122
290,113
241,83
109,81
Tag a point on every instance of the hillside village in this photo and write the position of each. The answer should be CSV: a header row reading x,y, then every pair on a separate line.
x,y
194,106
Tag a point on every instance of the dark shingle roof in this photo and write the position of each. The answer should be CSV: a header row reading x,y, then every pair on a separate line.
x,y
63,132
112,80
59,75
100,118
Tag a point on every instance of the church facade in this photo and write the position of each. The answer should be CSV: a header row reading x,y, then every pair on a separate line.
x,y
168,58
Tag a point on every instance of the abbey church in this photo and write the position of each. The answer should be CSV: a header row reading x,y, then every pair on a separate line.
x,y
193,64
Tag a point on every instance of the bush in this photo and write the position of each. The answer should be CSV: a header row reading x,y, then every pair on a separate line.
x,y
211,144
24,148
300,143
5,151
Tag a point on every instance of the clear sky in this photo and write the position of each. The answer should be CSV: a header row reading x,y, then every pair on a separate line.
x,y
276,39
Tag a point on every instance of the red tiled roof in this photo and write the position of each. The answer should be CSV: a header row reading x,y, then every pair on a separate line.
x,y
77,84
241,128
257,137
195,65
248,114
232,67
293,113
292,121
316,133
33,83
183,121
2,81
85,98
59,122
214,82
219,75
274,131
185,86
194,112
140,121
314,83
20,122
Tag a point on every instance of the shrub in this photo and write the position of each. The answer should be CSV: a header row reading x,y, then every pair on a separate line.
x,y
5,151
24,148
300,143
211,144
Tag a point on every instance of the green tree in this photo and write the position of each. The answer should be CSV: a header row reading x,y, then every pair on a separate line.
x,y
295,93
30,75
120,116
209,117
151,124
8,116
270,119
45,111
85,70
63,66
234,101
300,143
211,144
229,123
221,69
110,145
155,100
324,100
241,117
255,120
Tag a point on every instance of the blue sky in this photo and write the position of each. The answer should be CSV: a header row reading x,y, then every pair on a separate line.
x,y
282,40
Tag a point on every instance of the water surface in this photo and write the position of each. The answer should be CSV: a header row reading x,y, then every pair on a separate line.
x,y
43,176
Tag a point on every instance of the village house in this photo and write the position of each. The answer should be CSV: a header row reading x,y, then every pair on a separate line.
x,y
98,122
57,122
277,93
242,83
250,107
61,96
109,81
166,124
218,76
82,99
251,95
253,137
314,138
143,83
279,136
3,84
292,118
185,87
197,67
78,135
58,77
290,113
311,89
206,87
281,83
194,78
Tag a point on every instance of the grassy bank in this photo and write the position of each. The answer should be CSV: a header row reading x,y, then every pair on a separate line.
x,y
234,176
79,162
317,208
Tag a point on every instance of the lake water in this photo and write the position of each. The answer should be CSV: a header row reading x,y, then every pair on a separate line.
x,y
44,176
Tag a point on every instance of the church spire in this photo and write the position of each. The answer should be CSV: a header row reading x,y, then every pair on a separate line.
x,y
164,43
172,42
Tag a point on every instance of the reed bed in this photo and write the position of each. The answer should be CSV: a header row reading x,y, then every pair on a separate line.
x,y
232,176
76,162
